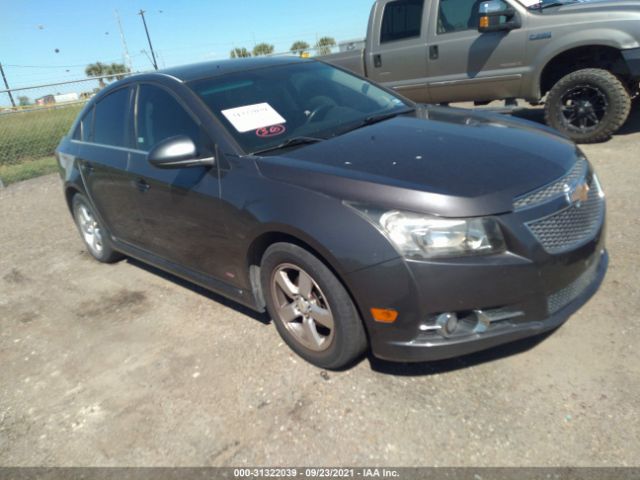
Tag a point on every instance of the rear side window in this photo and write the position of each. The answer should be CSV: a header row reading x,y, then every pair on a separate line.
x,y
160,116
402,19
110,123
83,130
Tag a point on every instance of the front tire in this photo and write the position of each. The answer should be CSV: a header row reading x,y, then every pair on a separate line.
x,y
311,309
94,235
588,105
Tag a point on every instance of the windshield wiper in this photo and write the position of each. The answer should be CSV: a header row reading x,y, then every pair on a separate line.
x,y
290,143
377,119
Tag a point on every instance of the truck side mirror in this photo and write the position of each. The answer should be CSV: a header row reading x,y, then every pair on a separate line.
x,y
491,17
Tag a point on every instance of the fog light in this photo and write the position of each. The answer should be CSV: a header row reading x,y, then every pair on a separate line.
x,y
448,323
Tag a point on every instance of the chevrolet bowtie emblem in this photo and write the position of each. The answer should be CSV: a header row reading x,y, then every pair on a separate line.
x,y
578,195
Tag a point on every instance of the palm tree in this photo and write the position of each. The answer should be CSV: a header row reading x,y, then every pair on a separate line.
x,y
299,48
118,70
240,52
106,72
263,49
323,47
97,69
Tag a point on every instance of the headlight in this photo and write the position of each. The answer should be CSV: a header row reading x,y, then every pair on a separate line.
x,y
420,236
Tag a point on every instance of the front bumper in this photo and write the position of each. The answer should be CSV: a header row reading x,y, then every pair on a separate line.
x,y
537,290
430,348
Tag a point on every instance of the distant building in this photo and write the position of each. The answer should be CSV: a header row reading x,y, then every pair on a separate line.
x,y
59,98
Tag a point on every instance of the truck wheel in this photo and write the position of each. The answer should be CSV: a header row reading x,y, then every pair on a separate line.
x,y
588,105
311,309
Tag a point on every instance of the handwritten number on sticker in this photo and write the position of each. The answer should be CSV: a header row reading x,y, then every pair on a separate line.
x,y
272,131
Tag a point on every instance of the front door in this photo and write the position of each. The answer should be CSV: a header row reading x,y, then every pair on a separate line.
x,y
397,58
468,65
180,207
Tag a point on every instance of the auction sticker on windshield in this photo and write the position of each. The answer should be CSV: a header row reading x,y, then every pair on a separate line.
x,y
253,117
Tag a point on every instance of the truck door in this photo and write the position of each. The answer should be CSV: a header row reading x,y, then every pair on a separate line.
x,y
396,47
465,64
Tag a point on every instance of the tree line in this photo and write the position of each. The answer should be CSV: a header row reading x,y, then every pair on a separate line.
x,y
323,47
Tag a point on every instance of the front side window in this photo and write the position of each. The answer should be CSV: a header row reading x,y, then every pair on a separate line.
x,y
110,122
265,107
159,117
402,19
460,15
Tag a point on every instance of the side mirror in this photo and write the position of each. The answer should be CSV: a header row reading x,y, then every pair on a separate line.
x,y
177,152
491,12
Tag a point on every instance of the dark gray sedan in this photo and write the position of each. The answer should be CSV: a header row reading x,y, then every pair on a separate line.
x,y
358,219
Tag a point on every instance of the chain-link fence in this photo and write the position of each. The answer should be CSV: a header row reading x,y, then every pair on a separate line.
x,y
34,119
42,115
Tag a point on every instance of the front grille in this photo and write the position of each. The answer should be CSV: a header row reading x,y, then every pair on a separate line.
x,y
572,226
564,297
554,190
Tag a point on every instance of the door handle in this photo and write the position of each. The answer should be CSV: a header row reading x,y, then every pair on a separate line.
x,y
434,52
89,168
377,61
142,185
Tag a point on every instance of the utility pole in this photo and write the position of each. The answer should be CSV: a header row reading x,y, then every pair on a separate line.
x,y
7,85
125,50
153,55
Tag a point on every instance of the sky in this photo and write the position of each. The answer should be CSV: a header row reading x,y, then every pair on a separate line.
x,y
46,41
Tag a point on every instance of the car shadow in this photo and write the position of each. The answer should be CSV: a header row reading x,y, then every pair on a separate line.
x,y
260,317
459,363
631,126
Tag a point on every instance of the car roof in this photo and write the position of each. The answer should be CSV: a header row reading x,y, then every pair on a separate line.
x,y
188,73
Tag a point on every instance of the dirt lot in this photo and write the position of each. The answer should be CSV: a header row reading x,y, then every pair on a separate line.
x,y
123,366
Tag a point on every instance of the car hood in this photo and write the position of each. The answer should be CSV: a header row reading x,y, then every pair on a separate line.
x,y
442,161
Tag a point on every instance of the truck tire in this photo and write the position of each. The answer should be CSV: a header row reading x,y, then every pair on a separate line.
x,y
588,105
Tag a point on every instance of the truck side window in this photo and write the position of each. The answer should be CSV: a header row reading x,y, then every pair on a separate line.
x,y
459,15
402,19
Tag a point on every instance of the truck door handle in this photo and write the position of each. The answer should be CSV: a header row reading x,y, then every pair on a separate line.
x,y
434,52
377,61
142,185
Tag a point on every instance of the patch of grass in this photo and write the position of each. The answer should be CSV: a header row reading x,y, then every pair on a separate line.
x,y
34,134
28,169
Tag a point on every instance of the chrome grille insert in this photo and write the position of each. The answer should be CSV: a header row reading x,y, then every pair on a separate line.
x,y
554,190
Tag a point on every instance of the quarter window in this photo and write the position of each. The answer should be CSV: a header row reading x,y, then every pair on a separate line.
x,y
402,19
83,130
160,116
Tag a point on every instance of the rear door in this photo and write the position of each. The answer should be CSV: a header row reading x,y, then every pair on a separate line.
x,y
468,65
103,159
397,55
180,207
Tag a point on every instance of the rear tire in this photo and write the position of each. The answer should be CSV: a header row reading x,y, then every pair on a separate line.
x,y
311,309
588,105
94,235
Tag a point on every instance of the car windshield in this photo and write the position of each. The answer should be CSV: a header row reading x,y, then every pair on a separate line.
x,y
542,4
294,104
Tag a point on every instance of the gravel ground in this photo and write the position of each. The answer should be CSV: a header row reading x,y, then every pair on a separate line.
x,y
125,366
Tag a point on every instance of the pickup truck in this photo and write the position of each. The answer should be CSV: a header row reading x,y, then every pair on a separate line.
x,y
580,58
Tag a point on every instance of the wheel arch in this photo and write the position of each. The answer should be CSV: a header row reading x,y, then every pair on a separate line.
x,y
265,239
598,38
